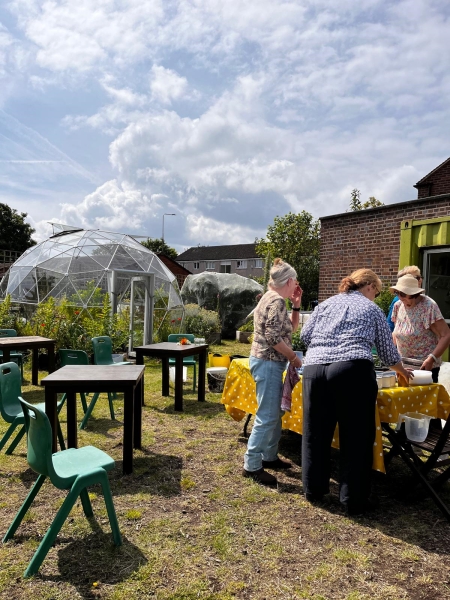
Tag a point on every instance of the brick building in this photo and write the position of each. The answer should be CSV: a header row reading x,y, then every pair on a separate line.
x,y
436,182
174,267
237,258
372,238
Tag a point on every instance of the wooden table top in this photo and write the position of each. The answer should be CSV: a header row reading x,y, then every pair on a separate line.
x,y
25,339
95,373
171,347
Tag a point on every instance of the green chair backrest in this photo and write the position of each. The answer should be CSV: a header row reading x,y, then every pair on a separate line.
x,y
102,350
39,441
8,333
10,390
176,337
73,357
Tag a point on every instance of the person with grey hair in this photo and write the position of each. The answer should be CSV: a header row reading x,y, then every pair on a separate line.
x,y
271,350
409,270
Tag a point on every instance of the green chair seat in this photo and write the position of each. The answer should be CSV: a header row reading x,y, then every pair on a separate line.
x,y
14,356
73,470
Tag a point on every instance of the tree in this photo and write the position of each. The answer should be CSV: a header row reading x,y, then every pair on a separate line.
x,y
15,234
356,204
159,246
295,238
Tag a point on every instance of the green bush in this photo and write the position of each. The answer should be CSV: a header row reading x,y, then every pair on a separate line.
x,y
7,318
384,300
297,343
199,321
248,326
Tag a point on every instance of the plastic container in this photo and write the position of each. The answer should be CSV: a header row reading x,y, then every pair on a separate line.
x,y
380,381
421,378
172,374
216,379
392,379
386,378
416,426
219,360
117,358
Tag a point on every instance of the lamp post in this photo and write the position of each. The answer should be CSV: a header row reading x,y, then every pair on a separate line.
x,y
164,215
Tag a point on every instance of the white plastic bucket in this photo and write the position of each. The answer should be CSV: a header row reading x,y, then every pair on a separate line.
x,y
216,379
172,374
416,426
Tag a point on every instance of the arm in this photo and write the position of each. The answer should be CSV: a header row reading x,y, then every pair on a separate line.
x,y
296,300
442,332
277,312
284,349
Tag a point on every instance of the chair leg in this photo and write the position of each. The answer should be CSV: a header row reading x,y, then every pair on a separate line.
x,y
195,375
83,402
60,437
111,405
8,433
23,509
17,439
89,411
111,511
63,401
86,502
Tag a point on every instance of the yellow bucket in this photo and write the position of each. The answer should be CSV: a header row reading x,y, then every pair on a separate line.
x,y
219,360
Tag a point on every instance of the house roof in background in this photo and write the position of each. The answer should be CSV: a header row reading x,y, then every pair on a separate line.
x,y
234,251
171,264
425,179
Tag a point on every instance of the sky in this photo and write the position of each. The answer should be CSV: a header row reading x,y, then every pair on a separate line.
x,y
228,114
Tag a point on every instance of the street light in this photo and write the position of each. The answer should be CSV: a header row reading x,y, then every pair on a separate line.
x,y
168,215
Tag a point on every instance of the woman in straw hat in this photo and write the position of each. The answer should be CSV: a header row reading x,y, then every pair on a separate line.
x,y
420,331
339,386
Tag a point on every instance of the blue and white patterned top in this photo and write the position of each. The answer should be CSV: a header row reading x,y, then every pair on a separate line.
x,y
346,327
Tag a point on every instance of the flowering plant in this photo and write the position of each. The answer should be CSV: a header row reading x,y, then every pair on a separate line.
x,y
184,342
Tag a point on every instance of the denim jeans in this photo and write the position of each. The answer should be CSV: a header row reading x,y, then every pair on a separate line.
x,y
266,431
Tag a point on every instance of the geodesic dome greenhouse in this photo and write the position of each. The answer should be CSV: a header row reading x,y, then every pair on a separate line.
x,y
82,265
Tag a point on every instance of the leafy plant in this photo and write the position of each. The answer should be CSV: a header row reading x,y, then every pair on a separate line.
x,y
199,321
384,300
248,326
297,343
7,317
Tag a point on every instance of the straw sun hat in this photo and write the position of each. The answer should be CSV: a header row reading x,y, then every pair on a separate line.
x,y
407,284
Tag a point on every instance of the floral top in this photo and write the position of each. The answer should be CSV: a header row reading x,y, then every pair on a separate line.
x,y
271,326
412,328
346,327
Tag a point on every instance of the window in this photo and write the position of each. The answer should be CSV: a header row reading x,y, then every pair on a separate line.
x,y
225,267
196,265
241,264
259,263
210,265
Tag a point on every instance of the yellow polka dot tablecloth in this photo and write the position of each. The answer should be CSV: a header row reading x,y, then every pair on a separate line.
x,y
239,398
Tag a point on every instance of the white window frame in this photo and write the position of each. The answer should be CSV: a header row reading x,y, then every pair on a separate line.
x,y
196,265
210,265
225,263
259,264
241,264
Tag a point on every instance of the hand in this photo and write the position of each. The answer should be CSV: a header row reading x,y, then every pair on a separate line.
x,y
404,376
297,363
296,297
427,364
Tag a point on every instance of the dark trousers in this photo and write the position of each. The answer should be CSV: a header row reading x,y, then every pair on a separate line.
x,y
344,393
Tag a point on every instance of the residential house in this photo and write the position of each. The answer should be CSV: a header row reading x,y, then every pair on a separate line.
x,y
237,258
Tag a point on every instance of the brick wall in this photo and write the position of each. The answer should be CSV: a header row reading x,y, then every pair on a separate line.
x,y
438,182
369,238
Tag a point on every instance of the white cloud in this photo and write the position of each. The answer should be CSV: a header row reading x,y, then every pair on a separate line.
x,y
166,85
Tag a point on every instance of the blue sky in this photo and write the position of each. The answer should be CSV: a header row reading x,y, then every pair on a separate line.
x,y
114,112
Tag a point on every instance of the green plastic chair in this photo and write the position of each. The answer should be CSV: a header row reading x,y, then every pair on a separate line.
x,y
102,347
79,357
73,469
10,408
14,356
189,360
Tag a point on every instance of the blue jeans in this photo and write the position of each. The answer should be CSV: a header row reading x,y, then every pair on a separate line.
x,y
266,431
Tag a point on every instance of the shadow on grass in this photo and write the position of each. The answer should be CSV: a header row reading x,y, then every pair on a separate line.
x,y
157,474
191,407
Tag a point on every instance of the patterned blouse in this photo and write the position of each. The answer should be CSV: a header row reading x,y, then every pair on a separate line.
x,y
412,328
346,327
271,326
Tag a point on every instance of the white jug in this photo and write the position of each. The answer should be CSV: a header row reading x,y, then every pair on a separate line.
x,y
416,426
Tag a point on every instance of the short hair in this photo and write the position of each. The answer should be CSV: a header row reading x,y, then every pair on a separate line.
x,y
411,270
280,273
359,279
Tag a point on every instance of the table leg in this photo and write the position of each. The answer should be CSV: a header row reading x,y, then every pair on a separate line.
x,y
179,383
6,355
71,420
50,411
139,358
165,377
202,375
128,430
138,394
34,367
51,358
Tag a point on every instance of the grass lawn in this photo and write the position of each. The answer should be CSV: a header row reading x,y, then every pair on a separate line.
x,y
193,527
